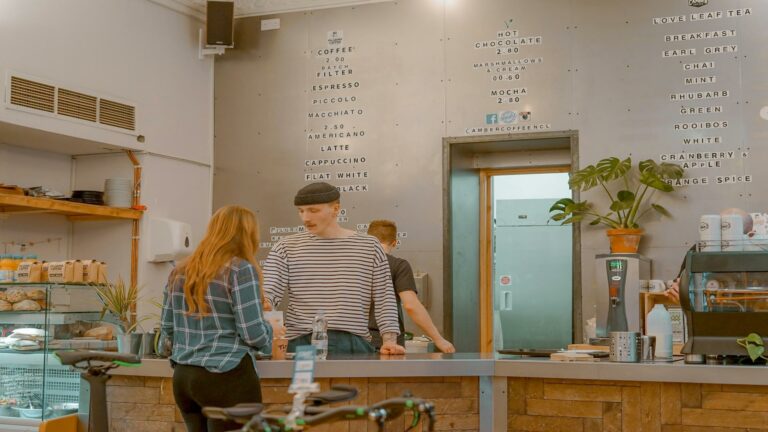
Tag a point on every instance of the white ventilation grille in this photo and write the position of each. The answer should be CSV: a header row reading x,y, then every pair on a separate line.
x,y
30,94
77,105
35,95
117,114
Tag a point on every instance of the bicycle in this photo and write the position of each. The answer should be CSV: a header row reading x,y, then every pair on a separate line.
x,y
95,367
256,418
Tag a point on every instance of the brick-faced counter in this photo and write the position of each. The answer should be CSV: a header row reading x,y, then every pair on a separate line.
x,y
493,393
139,404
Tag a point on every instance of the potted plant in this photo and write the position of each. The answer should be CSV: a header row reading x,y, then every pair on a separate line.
x,y
631,193
119,299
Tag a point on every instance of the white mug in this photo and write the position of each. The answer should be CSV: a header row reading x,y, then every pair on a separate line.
x,y
656,286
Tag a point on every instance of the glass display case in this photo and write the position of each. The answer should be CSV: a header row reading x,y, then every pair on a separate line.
x,y
36,319
725,297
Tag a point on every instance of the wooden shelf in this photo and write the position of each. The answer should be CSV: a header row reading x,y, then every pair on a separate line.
x,y
17,204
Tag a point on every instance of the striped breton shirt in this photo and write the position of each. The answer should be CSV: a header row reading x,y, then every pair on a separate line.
x,y
339,276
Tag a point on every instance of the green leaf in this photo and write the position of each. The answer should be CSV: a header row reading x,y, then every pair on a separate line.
x,y
595,222
652,180
558,217
661,210
625,196
573,219
585,178
613,168
560,204
754,338
621,205
755,351
665,170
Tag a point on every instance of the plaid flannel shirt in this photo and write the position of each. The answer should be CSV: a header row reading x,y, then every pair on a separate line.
x,y
233,327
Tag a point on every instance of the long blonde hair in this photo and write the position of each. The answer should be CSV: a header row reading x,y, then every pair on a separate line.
x,y
232,232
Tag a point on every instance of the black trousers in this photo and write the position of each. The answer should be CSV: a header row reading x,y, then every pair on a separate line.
x,y
195,387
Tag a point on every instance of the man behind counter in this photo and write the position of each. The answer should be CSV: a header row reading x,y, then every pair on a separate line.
x,y
405,288
334,270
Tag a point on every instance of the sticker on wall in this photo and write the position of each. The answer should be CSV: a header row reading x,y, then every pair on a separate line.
x,y
335,38
505,280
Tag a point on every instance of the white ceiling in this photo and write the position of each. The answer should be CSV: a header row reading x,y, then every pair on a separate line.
x,y
246,8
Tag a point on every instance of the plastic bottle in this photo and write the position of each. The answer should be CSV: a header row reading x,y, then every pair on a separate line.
x,y
320,335
659,324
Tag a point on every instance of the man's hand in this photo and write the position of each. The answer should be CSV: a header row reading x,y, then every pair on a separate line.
x,y
266,305
673,292
445,346
389,345
392,348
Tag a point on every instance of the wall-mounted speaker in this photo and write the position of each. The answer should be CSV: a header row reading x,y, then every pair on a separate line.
x,y
219,24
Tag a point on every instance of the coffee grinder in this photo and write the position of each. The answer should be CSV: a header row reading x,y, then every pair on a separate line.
x,y
618,291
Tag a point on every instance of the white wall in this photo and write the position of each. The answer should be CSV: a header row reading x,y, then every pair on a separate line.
x,y
133,50
20,166
129,49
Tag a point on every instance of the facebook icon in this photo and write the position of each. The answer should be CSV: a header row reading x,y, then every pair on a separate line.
x,y
491,118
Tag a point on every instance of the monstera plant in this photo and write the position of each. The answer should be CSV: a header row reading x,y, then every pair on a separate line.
x,y
632,195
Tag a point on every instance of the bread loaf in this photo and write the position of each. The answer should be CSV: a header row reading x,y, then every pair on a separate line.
x,y
2,296
102,332
15,295
36,294
26,305
5,306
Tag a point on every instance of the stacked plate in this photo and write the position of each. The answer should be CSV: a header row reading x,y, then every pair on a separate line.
x,y
118,192
88,197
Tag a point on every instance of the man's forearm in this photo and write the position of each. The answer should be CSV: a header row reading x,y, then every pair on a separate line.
x,y
389,337
421,318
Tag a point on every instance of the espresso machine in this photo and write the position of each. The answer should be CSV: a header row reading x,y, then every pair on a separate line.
x,y
618,291
725,297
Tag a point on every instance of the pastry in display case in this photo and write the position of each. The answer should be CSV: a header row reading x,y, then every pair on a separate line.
x,y
36,320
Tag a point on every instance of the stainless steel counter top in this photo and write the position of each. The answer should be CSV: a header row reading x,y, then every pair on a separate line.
x,y
489,365
412,365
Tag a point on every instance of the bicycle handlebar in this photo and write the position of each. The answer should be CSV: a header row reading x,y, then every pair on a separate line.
x,y
255,418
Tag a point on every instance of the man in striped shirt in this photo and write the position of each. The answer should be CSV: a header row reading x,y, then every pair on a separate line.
x,y
332,270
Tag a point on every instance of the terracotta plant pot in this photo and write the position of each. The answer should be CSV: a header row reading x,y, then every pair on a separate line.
x,y
624,240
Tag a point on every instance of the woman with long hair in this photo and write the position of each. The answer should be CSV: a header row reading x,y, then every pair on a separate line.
x,y
212,311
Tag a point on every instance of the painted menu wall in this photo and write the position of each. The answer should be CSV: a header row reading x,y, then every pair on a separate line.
x,y
362,97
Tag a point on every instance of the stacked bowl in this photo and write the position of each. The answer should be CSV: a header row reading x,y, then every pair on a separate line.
x,y
118,192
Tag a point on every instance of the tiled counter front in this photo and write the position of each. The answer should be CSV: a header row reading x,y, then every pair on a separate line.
x,y
552,405
138,404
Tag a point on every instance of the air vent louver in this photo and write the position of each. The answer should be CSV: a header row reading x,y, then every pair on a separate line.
x,y
28,93
117,114
31,94
77,105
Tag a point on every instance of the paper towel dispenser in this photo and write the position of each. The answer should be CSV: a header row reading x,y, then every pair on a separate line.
x,y
169,239
422,287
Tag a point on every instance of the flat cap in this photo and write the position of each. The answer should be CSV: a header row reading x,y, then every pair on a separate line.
x,y
316,193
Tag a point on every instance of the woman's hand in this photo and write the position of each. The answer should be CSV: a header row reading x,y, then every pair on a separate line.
x,y
673,292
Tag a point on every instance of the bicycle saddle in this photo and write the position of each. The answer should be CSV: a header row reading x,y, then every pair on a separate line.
x,y
79,356
243,410
337,393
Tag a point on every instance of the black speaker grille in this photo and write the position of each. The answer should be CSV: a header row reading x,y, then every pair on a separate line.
x,y
219,22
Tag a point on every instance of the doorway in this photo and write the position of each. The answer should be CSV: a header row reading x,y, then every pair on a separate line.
x,y
528,264
469,164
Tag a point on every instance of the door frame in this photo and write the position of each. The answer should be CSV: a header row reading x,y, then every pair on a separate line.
x,y
458,159
486,243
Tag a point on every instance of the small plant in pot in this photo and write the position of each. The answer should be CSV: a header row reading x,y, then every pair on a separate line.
x,y
119,299
632,195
